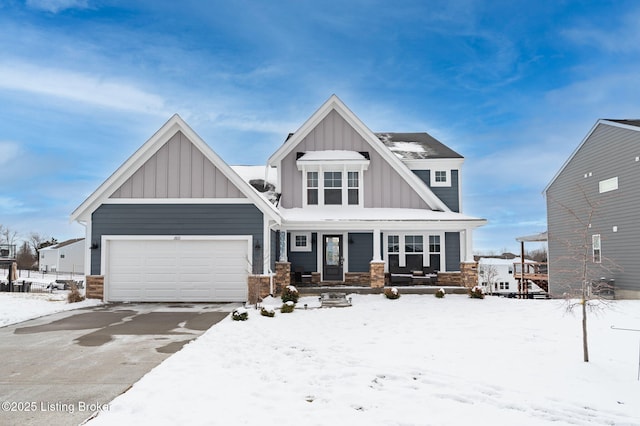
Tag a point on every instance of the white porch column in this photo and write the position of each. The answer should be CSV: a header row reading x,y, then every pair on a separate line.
x,y
466,245
376,246
283,246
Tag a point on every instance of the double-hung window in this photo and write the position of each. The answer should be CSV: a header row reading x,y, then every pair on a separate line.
x,y
413,243
353,184
312,188
332,188
597,250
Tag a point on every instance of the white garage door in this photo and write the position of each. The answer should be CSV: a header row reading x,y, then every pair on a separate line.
x,y
176,270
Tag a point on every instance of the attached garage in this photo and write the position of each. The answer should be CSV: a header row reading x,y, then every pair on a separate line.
x,y
176,269
175,223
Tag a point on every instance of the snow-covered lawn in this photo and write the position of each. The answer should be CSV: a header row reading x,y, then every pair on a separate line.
x,y
18,307
417,360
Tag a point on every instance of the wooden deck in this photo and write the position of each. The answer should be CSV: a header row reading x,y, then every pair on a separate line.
x,y
536,272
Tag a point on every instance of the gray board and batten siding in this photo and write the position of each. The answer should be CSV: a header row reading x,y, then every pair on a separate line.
x,y
178,170
607,153
177,219
382,185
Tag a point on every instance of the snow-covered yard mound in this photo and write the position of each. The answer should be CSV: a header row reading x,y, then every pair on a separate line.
x,y
417,360
18,307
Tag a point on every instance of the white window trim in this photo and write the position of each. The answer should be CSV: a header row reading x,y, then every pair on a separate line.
x,y
432,179
402,255
306,247
608,185
344,169
596,238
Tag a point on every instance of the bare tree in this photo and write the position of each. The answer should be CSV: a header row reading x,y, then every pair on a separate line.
x,y
37,242
8,235
25,257
580,269
488,273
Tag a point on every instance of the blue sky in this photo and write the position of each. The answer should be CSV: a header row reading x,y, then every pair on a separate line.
x,y
512,86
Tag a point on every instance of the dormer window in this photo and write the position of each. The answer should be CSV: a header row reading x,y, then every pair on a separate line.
x,y
332,178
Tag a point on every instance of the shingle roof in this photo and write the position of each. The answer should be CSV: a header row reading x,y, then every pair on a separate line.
x,y
628,122
416,146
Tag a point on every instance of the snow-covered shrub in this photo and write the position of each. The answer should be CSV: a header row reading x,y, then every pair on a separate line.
x,y
240,314
290,293
74,295
440,293
267,311
391,293
476,293
287,307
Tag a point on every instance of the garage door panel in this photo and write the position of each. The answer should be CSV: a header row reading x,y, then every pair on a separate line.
x,y
177,270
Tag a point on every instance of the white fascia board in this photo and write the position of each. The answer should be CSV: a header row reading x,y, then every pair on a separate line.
x,y
430,163
177,201
586,138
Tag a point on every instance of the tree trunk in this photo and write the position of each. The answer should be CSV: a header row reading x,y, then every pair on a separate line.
x,y
585,345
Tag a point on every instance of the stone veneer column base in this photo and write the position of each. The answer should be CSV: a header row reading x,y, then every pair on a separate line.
x,y
282,277
376,271
469,272
259,287
95,287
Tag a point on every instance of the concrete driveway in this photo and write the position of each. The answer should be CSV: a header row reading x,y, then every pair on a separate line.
x,y
60,369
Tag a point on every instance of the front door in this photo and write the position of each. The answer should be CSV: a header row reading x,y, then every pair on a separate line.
x,y
332,248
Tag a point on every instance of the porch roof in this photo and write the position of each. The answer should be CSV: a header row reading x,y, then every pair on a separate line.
x,y
370,218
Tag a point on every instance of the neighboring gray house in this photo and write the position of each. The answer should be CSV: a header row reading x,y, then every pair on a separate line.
x,y
176,223
66,257
592,208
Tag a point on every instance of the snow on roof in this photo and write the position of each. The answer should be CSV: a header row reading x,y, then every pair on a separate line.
x,y
416,146
329,155
62,244
249,173
405,147
342,214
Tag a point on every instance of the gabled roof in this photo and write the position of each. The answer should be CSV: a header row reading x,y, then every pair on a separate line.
x,y
147,150
623,124
416,146
335,104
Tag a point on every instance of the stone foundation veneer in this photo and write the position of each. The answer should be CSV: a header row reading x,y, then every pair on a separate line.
x,y
259,287
452,279
95,287
376,273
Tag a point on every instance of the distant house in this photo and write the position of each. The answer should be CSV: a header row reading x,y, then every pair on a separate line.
x,y
498,276
336,204
592,211
64,257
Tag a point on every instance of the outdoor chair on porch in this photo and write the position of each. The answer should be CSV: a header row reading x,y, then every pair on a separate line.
x,y
300,276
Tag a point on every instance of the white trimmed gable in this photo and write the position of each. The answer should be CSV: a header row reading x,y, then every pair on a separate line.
x,y
333,126
163,170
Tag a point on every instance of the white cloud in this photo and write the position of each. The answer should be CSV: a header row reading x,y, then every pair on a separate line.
x,y
620,39
8,152
79,87
55,6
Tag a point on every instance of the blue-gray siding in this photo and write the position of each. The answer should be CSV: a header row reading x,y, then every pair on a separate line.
x,y
608,152
449,195
177,219
304,260
360,251
452,251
